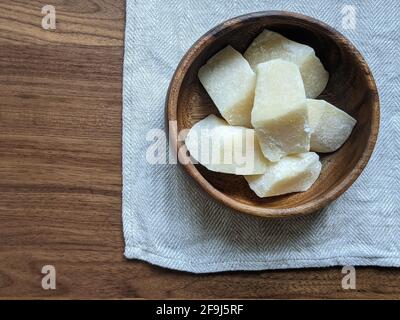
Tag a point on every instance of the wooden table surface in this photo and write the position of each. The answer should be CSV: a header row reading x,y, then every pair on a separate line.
x,y
60,172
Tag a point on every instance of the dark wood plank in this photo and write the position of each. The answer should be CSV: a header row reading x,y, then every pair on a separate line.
x,y
60,172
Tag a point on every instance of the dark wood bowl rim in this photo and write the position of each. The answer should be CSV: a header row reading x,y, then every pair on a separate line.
x,y
311,206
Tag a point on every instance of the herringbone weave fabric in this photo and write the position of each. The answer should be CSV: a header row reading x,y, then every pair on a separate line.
x,y
170,222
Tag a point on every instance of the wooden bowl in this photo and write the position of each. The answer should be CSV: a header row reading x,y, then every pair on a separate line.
x,y
350,87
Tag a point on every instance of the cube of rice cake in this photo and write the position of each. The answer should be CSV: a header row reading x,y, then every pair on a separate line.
x,y
224,148
330,126
294,173
279,115
230,82
270,45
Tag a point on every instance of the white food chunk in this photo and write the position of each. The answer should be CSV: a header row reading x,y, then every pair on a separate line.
x,y
314,75
230,82
280,114
330,126
224,148
270,45
294,173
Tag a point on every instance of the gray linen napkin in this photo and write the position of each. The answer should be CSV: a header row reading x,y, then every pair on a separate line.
x,y
170,222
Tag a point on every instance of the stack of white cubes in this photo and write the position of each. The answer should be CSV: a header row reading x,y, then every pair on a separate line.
x,y
272,120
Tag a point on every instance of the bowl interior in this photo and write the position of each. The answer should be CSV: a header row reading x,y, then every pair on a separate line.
x,y
350,88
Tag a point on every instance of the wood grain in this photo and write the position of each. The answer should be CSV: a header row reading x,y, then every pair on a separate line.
x,y
351,87
60,173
